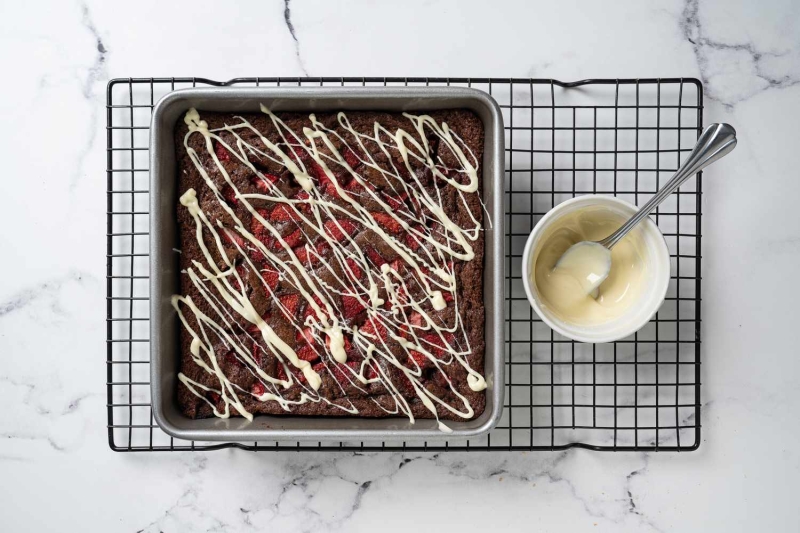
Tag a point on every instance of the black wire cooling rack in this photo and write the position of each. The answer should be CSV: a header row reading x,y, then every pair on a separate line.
x,y
620,137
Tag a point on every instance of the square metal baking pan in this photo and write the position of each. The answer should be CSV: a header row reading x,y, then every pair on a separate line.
x,y
164,271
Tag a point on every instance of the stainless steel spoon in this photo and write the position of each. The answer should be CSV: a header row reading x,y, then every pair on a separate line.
x,y
590,262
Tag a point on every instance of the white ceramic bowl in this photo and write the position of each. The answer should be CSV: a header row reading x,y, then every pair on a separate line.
x,y
655,256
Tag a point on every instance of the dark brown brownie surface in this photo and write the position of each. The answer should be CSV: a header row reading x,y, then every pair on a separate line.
x,y
469,275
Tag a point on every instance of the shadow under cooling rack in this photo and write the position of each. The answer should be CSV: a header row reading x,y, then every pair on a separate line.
x,y
618,137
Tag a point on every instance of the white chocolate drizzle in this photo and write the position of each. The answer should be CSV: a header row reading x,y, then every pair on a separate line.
x,y
427,243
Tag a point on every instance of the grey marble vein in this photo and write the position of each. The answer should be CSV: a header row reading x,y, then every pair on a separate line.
x,y
287,17
96,73
714,56
632,508
295,485
32,437
48,288
41,429
98,69
14,459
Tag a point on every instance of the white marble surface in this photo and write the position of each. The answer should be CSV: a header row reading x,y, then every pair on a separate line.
x,y
57,470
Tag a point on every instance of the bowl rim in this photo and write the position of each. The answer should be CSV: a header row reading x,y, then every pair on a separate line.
x,y
635,325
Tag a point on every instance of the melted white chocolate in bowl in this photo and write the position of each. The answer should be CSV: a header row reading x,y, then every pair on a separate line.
x,y
563,293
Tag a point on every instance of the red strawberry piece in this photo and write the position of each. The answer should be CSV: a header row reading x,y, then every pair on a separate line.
x,y
404,384
425,271
231,237
283,213
412,241
374,256
337,229
351,158
319,368
230,195
417,231
280,372
374,328
370,373
354,188
310,310
357,189
256,255
355,269
241,269
301,157
258,388
294,239
213,396
297,154
231,359
401,297
351,306
420,359
395,202
297,373
303,205
305,335
414,320
222,153
322,249
262,181
327,186
257,228
290,303
435,345
448,296
388,222
343,376
316,170
307,353
271,278
396,265
301,252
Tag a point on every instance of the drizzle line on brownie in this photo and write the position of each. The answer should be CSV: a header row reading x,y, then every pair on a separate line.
x,y
406,321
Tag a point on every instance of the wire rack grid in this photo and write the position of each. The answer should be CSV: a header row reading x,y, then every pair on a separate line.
x,y
620,137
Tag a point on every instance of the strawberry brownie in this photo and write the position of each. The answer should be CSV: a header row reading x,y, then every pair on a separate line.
x,y
331,264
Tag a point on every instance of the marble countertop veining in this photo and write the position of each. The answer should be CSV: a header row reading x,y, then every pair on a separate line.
x,y
57,469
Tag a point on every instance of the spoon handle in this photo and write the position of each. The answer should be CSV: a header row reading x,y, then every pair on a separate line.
x,y
716,141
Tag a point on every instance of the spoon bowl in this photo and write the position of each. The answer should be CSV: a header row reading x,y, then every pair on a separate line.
x,y
588,262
